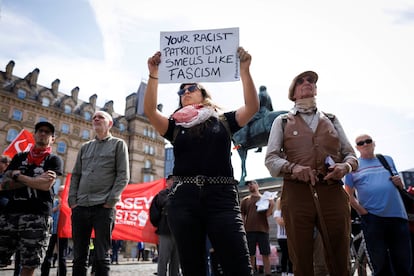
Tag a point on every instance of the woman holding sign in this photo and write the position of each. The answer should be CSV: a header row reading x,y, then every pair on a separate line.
x,y
204,198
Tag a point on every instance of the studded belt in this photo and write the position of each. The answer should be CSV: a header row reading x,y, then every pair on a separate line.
x,y
201,180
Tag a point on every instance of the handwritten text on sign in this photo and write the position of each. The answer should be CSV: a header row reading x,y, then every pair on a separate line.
x,y
199,56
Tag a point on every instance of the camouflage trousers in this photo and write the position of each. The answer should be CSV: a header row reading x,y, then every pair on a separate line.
x,y
24,234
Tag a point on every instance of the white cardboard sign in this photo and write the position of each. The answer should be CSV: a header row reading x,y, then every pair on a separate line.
x,y
199,56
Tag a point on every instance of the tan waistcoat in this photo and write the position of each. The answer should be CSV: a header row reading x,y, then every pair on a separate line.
x,y
308,148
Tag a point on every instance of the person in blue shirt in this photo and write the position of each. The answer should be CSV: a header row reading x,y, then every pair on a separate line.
x,y
384,220
141,249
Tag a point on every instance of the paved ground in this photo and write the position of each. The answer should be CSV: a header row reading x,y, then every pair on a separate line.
x,y
126,268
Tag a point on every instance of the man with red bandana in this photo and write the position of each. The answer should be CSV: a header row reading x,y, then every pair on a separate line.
x,y
26,220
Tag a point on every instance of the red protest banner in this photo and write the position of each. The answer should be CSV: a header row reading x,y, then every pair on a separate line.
x,y
132,212
24,141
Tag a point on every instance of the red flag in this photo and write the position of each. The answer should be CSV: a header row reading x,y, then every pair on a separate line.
x,y
65,224
132,212
24,141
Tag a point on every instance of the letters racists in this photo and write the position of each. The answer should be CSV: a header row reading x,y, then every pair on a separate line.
x,y
199,56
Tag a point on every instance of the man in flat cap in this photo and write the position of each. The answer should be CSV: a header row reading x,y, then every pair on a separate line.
x,y
309,149
26,219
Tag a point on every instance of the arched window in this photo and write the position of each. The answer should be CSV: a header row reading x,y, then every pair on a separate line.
x,y
61,147
17,115
122,127
85,134
11,134
87,115
65,128
21,93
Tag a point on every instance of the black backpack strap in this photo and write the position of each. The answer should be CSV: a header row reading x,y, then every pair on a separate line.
x,y
284,121
330,116
384,162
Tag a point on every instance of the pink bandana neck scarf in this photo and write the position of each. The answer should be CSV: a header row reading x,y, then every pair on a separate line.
x,y
192,115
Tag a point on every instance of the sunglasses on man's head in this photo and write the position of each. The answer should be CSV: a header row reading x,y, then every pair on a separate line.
x,y
302,80
363,142
190,89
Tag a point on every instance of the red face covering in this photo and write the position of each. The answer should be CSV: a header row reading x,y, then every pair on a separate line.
x,y
36,155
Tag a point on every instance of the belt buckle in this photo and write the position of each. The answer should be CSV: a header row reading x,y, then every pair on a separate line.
x,y
200,180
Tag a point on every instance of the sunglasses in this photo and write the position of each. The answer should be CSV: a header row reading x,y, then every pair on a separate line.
x,y
190,89
302,80
363,142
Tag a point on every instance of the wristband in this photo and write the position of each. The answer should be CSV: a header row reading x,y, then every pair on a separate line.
x,y
277,214
152,77
349,167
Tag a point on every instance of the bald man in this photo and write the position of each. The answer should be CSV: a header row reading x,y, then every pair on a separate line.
x,y
100,175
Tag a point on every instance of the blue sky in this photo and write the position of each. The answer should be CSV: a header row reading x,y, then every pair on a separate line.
x,y
362,51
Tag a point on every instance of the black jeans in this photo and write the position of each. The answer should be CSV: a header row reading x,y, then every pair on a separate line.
x,y
84,219
62,248
388,243
212,210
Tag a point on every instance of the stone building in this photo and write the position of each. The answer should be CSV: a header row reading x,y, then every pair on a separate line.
x,y
24,102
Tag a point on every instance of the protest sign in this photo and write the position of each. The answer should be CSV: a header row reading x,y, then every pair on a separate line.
x,y
199,56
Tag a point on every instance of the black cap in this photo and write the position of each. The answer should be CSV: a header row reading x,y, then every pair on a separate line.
x,y
46,124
